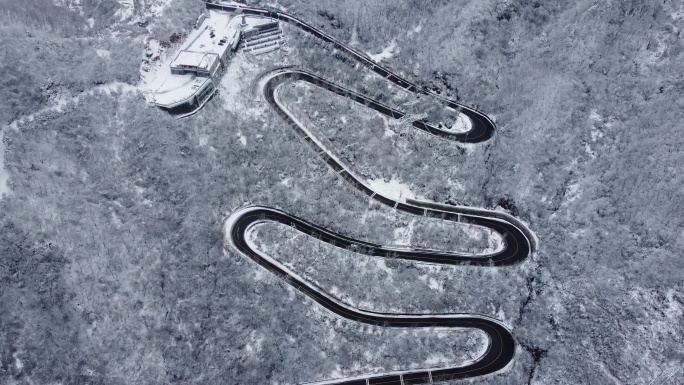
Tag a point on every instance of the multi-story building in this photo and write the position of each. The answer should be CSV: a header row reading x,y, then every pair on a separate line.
x,y
196,69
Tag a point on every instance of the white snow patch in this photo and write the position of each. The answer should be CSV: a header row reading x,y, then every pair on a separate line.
x,y
380,263
109,88
595,132
607,123
588,150
103,53
388,132
242,138
159,6
462,124
456,184
392,189
354,40
415,29
235,91
91,22
436,359
386,53
594,115
17,361
495,242
572,192
74,5
255,345
153,48
435,285
126,9
153,72
674,309
678,15
654,55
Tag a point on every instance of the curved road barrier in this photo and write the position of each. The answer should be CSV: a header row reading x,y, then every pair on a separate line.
x,y
484,126
518,241
501,346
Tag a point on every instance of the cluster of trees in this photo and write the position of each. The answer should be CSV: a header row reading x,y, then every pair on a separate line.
x,y
63,58
27,16
381,149
112,266
392,285
545,71
376,285
176,19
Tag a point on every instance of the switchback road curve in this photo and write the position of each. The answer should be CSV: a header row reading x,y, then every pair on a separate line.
x,y
482,127
518,241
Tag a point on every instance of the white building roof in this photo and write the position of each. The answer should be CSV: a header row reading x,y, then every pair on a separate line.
x,y
194,59
253,22
178,89
200,50
200,43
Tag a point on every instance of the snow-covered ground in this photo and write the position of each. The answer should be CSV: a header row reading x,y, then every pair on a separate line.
x,y
573,191
58,106
157,80
403,235
74,5
415,29
462,124
63,100
495,242
242,138
154,73
386,53
126,11
391,189
235,90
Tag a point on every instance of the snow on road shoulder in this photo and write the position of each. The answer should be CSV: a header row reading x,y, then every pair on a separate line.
x,y
391,189
462,124
386,53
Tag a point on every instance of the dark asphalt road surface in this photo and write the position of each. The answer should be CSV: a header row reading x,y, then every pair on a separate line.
x,y
501,347
482,127
517,244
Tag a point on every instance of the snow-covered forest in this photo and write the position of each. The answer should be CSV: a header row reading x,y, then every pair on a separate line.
x,y
112,265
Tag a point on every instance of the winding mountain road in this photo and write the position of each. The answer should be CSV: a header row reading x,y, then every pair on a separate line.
x,y
518,240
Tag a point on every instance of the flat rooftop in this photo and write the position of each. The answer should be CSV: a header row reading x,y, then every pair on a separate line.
x,y
200,48
194,59
253,22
